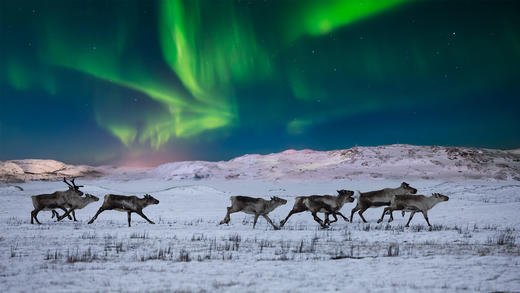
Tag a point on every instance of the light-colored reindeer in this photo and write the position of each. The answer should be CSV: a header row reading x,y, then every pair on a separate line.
x,y
60,200
128,204
328,204
256,206
413,203
378,198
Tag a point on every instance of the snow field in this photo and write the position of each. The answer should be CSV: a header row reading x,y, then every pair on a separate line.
x,y
473,244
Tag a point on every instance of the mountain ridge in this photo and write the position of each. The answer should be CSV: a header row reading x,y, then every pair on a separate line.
x,y
399,161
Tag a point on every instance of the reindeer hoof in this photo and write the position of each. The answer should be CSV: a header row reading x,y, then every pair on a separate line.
x,y
407,225
276,228
379,221
152,222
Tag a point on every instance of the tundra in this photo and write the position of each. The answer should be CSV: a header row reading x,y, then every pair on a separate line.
x,y
377,198
255,206
328,204
128,204
59,200
413,203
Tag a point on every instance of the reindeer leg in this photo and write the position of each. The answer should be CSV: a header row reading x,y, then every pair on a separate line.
x,y
409,220
425,214
335,218
34,213
66,214
282,222
129,218
74,216
344,218
254,221
226,218
391,211
354,210
55,213
383,215
144,217
361,214
65,210
270,222
317,219
327,221
101,209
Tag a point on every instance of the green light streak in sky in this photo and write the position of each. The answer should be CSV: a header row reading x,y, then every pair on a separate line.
x,y
17,76
209,56
321,17
206,73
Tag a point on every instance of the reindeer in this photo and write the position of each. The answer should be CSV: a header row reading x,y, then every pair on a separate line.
x,y
327,204
377,198
128,204
255,206
77,203
56,200
57,215
413,203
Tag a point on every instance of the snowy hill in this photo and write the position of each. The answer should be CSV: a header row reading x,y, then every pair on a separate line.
x,y
393,161
33,169
390,162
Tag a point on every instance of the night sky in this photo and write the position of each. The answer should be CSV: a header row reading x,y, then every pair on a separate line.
x,y
144,82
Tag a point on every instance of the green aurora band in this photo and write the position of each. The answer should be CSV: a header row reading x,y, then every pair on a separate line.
x,y
208,57
313,61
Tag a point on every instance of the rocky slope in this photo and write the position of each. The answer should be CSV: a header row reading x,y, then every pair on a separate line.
x,y
392,161
33,169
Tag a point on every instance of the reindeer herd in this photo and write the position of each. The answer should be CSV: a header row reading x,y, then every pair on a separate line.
x,y
402,198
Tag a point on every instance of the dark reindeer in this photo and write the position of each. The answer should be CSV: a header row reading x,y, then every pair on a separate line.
x,y
255,206
378,198
413,203
128,204
328,204
79,204
60,200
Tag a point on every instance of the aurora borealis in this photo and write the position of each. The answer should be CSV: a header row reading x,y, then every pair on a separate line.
x,y
148,81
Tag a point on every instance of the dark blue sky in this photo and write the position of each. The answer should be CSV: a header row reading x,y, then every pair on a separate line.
x,y
143,82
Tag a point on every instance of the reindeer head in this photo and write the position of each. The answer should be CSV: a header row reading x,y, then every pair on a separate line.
x,y
347,194
150,199
91,198
440,197
278,201
407,188
74,188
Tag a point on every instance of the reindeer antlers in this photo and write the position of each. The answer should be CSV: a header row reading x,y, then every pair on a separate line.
x,y
65,180
73,186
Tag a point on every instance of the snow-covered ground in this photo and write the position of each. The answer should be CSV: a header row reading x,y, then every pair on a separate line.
x,y
473,245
